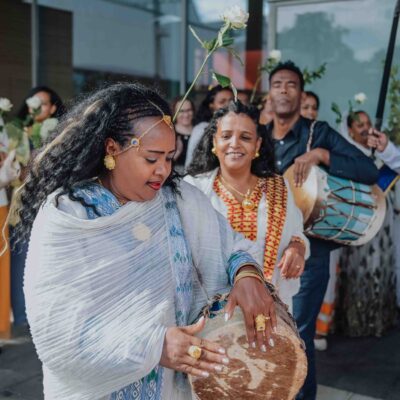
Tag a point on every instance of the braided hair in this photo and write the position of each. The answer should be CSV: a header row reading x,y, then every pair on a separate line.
x,y
75,154
204,160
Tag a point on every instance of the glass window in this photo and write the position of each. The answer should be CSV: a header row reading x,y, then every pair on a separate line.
x,y
350,36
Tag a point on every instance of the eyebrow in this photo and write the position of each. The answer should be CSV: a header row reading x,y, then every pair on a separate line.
x,y
161,152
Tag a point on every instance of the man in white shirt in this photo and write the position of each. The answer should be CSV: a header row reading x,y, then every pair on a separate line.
x,y
386,150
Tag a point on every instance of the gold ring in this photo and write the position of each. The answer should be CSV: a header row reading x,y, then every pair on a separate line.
x,y
195,352
260,322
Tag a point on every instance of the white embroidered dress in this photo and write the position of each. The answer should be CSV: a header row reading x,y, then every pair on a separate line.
x,y
293,226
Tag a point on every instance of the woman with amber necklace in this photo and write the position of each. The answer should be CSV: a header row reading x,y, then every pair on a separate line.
x,y
234,166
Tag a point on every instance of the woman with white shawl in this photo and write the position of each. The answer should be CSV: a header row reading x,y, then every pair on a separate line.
x,y
122,257
234,166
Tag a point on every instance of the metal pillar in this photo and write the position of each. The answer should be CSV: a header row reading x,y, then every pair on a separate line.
x,y
34,43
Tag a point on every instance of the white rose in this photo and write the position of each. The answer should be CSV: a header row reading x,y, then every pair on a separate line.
x,y
275,55
236,17
360,98
5,104
48,125
33,102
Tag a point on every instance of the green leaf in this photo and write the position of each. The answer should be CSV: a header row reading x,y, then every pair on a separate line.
x,y
35,135
227,39
196,36
209,44
335,108
236,55
14,132
223,80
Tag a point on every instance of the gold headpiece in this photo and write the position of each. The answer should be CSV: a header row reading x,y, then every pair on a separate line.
x,y
135,141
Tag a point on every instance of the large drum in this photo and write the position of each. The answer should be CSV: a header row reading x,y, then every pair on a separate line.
x,y
251,374
338,209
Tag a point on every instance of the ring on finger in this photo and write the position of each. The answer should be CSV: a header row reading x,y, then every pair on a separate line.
x,y
260,322
195,352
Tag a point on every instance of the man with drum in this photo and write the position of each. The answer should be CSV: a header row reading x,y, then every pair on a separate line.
x,y
329,150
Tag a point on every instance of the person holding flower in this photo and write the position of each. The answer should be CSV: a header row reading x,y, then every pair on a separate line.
x,y
38,117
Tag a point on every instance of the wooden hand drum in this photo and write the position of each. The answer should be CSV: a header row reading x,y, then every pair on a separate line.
x,y
251,374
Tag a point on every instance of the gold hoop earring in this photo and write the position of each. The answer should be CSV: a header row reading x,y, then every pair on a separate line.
x,y
214,150
109,162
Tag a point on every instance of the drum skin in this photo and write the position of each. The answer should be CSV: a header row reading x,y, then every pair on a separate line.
x,y
338,209
277,374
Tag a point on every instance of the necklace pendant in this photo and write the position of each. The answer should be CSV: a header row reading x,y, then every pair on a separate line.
x,y
247,204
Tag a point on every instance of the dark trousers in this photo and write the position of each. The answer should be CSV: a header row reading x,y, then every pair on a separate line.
x,y
18,257
306,306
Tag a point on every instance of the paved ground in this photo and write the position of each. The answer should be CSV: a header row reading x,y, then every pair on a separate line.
x,y
351,369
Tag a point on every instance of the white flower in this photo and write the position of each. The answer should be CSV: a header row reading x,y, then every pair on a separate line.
x,y
33,102
235,17
360,98
5,104
275,55
48,125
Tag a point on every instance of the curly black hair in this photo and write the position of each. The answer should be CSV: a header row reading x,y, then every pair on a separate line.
x,y
204,160
204,113
75,154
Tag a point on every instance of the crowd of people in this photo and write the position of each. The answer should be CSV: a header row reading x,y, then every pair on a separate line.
x,y
134,222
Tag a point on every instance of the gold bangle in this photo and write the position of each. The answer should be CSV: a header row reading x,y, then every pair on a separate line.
x,y
297,239
248,274
251,271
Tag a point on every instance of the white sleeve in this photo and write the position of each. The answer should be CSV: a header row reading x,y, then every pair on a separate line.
x,y
391,156
72,207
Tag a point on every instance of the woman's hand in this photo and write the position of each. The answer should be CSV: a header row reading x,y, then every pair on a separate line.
x,y
175,351
292,262
254,299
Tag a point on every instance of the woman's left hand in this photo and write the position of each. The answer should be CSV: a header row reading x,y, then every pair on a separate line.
x,y
292,262
254,299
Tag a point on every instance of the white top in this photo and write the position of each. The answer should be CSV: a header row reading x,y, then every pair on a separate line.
x,y
391,156
293,226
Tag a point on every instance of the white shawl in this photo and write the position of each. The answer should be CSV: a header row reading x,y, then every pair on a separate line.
x,y
100,293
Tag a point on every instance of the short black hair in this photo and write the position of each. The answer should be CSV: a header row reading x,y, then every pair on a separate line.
x,y
309,93
289,66
354,116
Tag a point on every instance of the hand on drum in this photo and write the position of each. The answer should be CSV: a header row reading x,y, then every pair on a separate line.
x,y
377,140
254,299
292,261
181,351
303,164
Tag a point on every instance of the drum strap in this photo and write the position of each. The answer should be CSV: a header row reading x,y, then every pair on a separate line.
x,y
245,222
310,137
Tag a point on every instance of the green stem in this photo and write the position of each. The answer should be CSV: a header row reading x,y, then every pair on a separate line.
x,y
253,94
194,81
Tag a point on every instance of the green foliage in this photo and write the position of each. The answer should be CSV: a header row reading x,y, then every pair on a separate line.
x,y
335,108
311,76
393,98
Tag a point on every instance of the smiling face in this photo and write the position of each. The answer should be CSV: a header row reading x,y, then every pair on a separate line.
x,y
236,142
140,173
309,107
285,93
185,115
